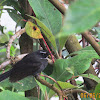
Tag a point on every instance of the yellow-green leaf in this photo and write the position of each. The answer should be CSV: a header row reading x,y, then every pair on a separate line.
x,y
32,30
63,85
46,32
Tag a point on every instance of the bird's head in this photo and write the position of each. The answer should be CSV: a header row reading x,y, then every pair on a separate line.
x,y
43,53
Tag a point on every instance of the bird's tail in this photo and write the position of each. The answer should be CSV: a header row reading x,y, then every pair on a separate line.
x,y
5,75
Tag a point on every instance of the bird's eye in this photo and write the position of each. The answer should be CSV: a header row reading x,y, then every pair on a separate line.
x,y
43,53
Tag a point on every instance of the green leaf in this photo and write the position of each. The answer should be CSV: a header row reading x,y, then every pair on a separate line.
x,y
47,14
3,50
1,27
10,33
25,84
46,31
62,41
22,85
32,30
5,83
13,51
78,65
63,85
59,71
8,95
13,3
4,38
91,76
81,16
97,91
78,82
16,17
70,70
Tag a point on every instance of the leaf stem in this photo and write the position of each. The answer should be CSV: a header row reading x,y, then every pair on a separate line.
x,y
48,49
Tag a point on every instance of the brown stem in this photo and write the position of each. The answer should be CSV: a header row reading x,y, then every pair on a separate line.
x,y
59,6
83,41
16,59
19,57
52,80
59,92
92,41
21,31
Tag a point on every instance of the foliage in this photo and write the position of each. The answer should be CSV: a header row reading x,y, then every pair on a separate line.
x,y
81,16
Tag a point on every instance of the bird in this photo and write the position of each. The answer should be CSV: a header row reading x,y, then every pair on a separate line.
x,y
31,65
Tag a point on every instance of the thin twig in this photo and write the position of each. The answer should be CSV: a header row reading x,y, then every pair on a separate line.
x,y
52,80
19,57
92,41
21,31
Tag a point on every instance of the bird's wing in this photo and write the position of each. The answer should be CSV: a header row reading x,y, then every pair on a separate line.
x,y
23,69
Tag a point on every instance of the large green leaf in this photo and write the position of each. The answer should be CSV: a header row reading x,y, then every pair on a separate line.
x,y
22,85
63,85
91,76
62,41
48,14
46,31
17,13
65,68
13,3
81,16
59,71
25,84
16,17
8,95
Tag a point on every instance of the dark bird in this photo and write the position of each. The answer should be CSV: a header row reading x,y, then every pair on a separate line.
x,y
31,64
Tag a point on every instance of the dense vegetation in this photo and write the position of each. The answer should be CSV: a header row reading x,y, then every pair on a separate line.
x,y
73,37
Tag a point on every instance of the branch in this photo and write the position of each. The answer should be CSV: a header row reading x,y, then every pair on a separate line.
x,y
59,92
86,35
92,41
21,31
18,58
52,80
59,6
66,92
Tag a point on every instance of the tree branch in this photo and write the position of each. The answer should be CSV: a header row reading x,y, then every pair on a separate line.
x,y
18,58
59,92
59,6
92,41
52,80
21,31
